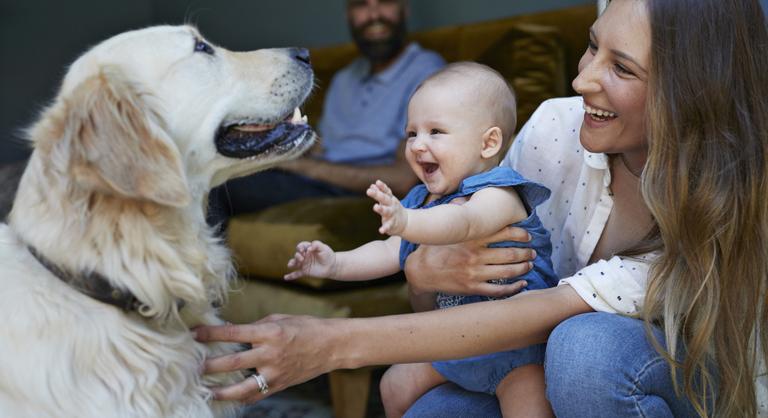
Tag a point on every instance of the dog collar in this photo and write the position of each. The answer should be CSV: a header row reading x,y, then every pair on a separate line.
x,y
92,284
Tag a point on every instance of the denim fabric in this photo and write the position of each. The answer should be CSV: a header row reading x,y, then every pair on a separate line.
x,y
597,365
533,194
606,363
484,373
451,401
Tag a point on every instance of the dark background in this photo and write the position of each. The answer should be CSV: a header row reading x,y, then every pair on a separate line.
x,y
39,38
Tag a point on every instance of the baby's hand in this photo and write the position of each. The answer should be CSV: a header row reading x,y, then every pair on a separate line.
x,y
394,217
312,259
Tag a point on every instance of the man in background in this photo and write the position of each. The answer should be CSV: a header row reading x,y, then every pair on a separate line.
x,y
362,126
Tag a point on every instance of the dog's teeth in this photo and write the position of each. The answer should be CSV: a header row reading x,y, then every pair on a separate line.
x,y
296,115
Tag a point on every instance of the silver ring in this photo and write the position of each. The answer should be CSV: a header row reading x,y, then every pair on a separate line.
x,y
262,382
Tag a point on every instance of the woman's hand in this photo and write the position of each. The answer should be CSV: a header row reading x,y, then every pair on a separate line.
x,y
466,268
286,350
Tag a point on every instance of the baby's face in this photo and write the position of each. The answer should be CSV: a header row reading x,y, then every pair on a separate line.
x,y
444,133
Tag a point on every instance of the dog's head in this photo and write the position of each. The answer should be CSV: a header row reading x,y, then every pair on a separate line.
x,y
161,114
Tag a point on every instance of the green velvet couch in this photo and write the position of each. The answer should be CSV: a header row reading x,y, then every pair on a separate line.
x,y
537,53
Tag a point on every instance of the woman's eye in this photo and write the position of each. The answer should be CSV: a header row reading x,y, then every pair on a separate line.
x,y
591,46
622,70
202,46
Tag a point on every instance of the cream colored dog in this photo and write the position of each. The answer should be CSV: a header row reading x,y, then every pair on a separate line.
x,y
107,261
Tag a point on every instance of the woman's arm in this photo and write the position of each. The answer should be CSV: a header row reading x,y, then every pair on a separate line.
x,y
421,302
288,350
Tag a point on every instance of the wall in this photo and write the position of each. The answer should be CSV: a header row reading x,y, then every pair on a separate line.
x,y
38,38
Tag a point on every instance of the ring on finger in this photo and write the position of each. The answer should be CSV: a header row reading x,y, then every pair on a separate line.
x,y
262,382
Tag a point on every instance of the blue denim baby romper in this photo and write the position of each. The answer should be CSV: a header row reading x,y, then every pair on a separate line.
x,y
483,373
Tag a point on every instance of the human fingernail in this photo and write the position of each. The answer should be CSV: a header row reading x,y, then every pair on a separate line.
x,y
533,253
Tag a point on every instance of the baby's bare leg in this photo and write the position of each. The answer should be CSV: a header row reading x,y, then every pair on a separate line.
x,y
403,384
521,393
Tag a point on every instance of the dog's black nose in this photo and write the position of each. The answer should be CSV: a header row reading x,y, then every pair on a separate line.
x,y
301,54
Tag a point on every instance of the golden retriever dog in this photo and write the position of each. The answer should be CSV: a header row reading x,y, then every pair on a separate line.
x,y
106,261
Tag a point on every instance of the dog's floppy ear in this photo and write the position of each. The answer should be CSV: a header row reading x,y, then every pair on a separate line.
x,y
118,145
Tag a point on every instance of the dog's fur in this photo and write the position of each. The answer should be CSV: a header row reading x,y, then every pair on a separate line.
x,y
117,182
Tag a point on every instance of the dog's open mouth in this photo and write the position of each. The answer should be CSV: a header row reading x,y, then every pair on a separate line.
x,y
244,140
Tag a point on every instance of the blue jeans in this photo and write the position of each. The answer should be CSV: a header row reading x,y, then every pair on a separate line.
x,y
597,365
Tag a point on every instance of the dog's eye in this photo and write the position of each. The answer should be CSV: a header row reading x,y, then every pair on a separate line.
x,y
202,46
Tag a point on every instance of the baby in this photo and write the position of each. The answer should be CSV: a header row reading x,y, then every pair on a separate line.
x,y
459,122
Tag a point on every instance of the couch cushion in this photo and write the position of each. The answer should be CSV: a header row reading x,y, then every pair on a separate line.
x,y
531,58
262,243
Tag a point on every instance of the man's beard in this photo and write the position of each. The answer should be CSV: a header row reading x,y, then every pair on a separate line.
x,y
381,50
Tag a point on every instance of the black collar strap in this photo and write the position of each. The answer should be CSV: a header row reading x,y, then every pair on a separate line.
x,y
92,284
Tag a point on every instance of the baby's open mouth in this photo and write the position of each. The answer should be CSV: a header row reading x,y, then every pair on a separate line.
x,y
429,168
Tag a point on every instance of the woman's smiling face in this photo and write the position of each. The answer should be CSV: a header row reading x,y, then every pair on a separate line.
x,y
613,79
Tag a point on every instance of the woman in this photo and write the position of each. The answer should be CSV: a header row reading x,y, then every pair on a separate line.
x,y
675,92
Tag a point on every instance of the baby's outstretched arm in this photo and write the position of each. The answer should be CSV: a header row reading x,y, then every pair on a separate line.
x,y
369,261
486,212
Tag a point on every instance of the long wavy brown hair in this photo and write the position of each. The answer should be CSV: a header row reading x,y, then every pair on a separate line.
x,y
706,184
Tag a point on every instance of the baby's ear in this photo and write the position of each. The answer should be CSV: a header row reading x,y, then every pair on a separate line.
x,y
493,139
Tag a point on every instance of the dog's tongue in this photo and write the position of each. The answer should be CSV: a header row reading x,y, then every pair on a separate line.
x,y
253,128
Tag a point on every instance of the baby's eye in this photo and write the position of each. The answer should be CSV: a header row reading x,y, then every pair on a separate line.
x,y
410,134
435,132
